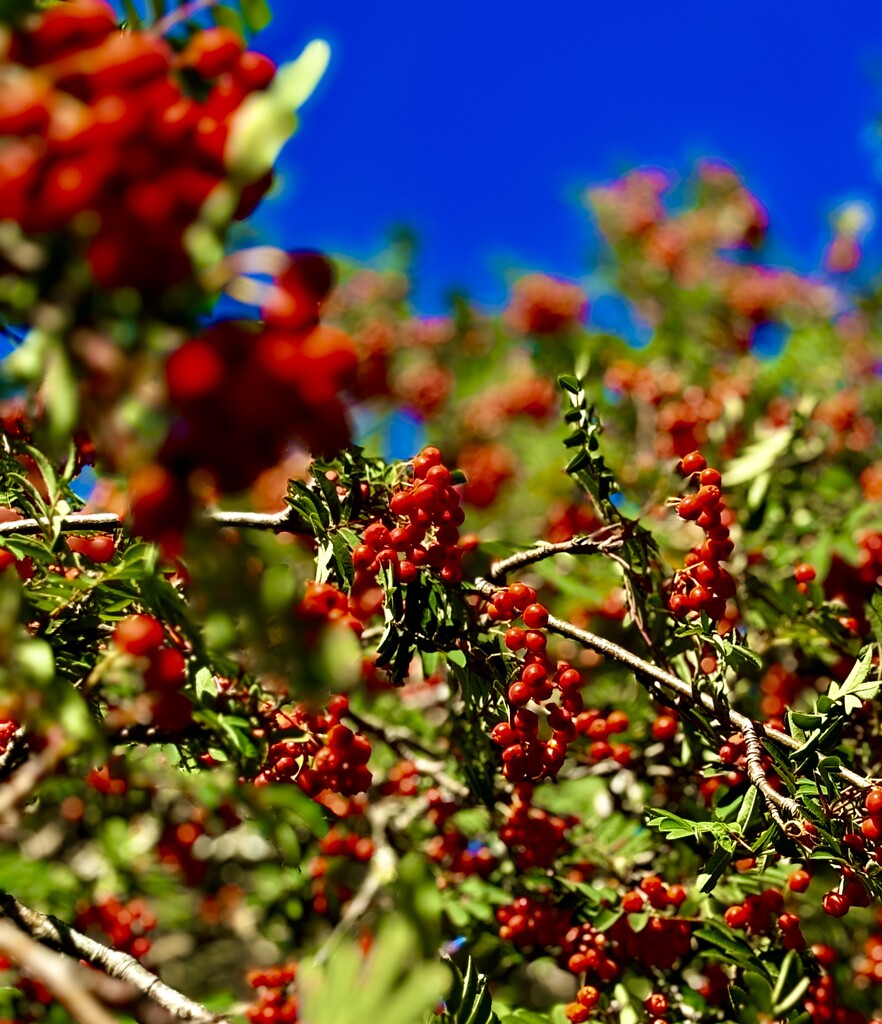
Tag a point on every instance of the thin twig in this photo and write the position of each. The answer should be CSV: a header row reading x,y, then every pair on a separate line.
x,y
57,935
602,541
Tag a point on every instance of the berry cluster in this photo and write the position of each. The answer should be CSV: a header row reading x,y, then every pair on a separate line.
x,y
534,837
601,955
523,393
656,893
165,673
543,305
704,585
106,143
175,849
242,391
531,924
331,757
487,467
402,779
866,842
869,967
823,1006
526,756
125,925
426,532
338,843
276,1002
451,849
459,856
600,729
757,914
323,602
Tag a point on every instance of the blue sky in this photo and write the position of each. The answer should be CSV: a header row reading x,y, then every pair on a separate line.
x,y
478,123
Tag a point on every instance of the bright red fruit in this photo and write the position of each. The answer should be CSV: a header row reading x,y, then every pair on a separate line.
x,y
138,634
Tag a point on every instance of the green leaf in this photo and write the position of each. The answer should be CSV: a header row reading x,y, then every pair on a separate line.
x,y
391,984
857,684
874,614
226,17
468,1001
759,457
713,870
133,19
205,684
740,657
257,14
266,120
59,395
745,813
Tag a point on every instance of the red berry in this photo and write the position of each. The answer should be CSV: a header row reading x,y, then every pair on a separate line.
x,y
835,904
656,1004
710,478
872,827
99,548
376,536
521,595
515,638
737,916
689,507
804,573
799,881
664,728
534,674
138,634
535,616
588,996
873,800
167,671
518,693
692,463
632,902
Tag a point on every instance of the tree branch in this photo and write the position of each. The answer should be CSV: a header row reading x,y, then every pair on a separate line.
x,y
51,932
602,541
774,800
286,519
59,974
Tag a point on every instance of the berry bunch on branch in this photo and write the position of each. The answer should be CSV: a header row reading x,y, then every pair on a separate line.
x,y
571,714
